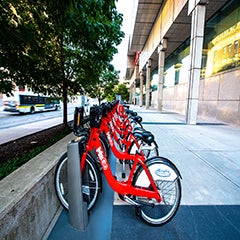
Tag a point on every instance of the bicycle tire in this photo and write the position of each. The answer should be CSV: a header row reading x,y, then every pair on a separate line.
x,y
148,153
91,182
152,150
167,179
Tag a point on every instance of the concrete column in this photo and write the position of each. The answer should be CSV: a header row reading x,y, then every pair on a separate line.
x,y
161,60
196,46
136,78
141,89
130,95
134,93
148,83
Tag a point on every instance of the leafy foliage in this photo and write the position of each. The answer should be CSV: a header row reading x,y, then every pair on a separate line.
x,y
49,139
26,46
57,47
104,89
123,91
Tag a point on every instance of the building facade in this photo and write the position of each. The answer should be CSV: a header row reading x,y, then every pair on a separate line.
x,y
184,57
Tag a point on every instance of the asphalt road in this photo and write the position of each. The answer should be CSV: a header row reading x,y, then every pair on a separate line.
x,y
15,125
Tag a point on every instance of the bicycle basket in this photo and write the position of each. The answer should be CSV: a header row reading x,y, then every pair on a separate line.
x,y
82,145
78,119
95,117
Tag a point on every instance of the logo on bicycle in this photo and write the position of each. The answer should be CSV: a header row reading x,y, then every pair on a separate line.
x,y
102,158
163,173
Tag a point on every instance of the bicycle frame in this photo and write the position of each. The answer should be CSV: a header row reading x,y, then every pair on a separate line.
x,y
125,139
121,187
123,127
152,185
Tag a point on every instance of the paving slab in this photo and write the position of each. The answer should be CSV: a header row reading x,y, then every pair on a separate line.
x,y
192,222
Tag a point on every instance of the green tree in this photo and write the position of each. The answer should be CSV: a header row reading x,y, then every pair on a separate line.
x,y
109,93
89,33
104,89
57,47
123,91
27,46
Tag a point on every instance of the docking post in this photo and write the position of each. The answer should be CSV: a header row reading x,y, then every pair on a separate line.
x,y
78,215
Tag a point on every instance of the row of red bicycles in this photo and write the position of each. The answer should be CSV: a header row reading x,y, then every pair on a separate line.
x,y
149,182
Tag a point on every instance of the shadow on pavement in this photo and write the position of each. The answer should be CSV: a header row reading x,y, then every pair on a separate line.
x,y
211,222
164,123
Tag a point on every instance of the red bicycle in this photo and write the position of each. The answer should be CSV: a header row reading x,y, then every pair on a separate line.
x,y
127,135
153,185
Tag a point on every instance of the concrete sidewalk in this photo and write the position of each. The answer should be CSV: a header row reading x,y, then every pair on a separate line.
x,y
207,155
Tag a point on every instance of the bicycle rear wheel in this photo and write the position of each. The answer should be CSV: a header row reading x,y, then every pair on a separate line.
x,y
91,182
167,180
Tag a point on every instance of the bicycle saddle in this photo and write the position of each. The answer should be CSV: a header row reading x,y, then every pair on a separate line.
x,y
131,112
146,136
136,119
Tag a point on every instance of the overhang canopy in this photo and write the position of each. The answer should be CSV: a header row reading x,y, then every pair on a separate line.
x,y
147,12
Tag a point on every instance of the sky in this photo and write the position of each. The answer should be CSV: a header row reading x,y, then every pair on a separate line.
x,y
120,59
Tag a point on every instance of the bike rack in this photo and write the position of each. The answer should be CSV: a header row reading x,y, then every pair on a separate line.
x,y
78,214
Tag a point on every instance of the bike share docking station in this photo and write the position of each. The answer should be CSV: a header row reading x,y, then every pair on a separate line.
x,y
77,213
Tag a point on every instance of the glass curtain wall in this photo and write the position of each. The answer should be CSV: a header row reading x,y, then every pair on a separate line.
x,y
220,51
221,41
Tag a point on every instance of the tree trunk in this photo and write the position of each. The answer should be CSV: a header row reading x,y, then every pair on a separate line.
x,y
65,101
99,101
65,93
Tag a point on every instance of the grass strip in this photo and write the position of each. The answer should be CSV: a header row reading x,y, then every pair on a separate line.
x,y
13,164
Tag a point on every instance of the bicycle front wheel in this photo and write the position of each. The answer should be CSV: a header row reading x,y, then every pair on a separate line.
x,y
149,151
91,182
167,180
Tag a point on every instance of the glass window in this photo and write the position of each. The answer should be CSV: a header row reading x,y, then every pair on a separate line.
x,y
230,48
177,65
225,50
222,34
236,44
220,49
